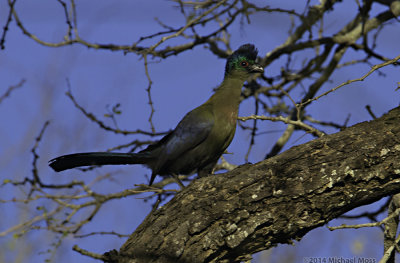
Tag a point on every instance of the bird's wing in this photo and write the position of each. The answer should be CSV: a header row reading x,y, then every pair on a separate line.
x,y
192,130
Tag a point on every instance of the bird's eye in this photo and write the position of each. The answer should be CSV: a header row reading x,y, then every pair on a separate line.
x,y
244,64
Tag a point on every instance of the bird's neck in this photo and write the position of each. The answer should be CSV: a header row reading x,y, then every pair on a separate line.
x,y
225,102
228,93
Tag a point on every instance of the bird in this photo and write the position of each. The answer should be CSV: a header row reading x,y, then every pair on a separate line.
x,y
199,139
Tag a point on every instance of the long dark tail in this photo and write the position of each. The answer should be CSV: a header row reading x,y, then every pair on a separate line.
x,y
70,161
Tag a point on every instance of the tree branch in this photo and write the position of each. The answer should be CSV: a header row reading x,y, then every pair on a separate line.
x,y
223,218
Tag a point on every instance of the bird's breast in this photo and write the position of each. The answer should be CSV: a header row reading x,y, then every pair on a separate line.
x,y
224,127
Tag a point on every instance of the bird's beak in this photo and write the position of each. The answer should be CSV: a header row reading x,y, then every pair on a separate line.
x,y
256,69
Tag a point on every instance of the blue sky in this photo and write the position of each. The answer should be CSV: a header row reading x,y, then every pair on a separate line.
x,y
99,78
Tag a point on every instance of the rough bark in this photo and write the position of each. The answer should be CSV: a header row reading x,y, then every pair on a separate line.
x,y
391,228
223,218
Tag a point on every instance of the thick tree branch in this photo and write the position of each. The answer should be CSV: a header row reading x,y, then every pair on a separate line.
x,y
254,207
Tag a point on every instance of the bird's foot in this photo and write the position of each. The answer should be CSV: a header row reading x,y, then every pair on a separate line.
x,y
179,182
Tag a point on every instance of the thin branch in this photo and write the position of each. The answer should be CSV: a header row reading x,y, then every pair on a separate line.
x,y
87,253
188,24
253,130
389,251
382,222
148,90
325,123
368,107
30,222
286,120
374,68
102,125
102,233
68,36
368,214
11,88
5,28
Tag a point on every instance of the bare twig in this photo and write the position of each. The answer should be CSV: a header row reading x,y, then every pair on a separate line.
x,y
87,253
102,125
368,107
286,120
389,251
188,24
148,90
374,68
382,222
11,88
5,28
101,233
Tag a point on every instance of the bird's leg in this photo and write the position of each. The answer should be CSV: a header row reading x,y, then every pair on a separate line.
x,y
179,182
207,170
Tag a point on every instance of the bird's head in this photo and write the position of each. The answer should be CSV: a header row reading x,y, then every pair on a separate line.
x,y
242,63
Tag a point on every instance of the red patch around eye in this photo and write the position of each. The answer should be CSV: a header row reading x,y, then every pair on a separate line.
x,y
244,64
